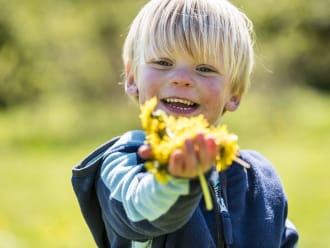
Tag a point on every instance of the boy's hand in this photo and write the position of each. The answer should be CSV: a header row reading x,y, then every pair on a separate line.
x,y
198,154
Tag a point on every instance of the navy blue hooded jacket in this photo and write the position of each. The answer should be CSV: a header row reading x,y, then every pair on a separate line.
x,y
124,206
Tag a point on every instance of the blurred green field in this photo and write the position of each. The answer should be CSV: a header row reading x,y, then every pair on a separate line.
x,y
40,143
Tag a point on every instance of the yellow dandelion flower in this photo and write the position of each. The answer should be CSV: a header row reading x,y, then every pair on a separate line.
x,y
146,112
228,152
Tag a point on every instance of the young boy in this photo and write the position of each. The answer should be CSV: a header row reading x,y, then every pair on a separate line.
x,y
196,57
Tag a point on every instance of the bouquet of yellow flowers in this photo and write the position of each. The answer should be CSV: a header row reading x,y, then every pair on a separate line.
x,y
166,133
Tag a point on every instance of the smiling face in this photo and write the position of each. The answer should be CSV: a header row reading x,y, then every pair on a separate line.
x,y
183,86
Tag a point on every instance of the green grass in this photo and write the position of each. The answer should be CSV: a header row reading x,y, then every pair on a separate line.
x,y
40,144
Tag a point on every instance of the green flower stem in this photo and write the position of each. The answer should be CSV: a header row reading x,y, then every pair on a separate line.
x,y
206,191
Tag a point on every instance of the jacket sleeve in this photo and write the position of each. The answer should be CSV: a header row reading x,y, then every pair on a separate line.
x,y
134,204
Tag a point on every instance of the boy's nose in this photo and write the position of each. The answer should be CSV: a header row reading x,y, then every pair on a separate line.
x,y
182,78
182,83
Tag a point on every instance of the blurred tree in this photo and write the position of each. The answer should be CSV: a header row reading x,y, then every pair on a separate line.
x,y
313,64
16,69
62,47
293,37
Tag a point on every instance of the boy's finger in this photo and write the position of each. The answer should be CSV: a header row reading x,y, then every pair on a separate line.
x,y
176,165
190,158
212,148
203,153
145,152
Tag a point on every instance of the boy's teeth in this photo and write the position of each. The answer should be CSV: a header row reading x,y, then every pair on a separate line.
x,y
177,100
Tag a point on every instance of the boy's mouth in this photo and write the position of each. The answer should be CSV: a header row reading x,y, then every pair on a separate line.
x,y
179,105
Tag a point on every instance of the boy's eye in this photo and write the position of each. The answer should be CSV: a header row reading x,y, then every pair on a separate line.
x,y
162,63
205,68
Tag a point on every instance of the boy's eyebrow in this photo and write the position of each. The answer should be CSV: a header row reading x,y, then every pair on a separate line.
x,y
152,58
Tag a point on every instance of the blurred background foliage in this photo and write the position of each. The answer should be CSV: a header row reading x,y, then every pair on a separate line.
x,y
61,96
75,46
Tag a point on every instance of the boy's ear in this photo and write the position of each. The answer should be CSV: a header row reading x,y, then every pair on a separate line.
x,y
130,85
233,103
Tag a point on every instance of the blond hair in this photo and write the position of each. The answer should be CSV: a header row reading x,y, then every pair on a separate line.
x,y
206,29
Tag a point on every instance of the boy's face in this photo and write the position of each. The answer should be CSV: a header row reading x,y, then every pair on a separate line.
x,y
183,87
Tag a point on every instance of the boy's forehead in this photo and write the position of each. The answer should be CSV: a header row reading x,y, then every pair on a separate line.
x,y
203,50
166,49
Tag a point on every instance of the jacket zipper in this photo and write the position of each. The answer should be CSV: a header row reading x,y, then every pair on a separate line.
x,y
217,215
224,213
